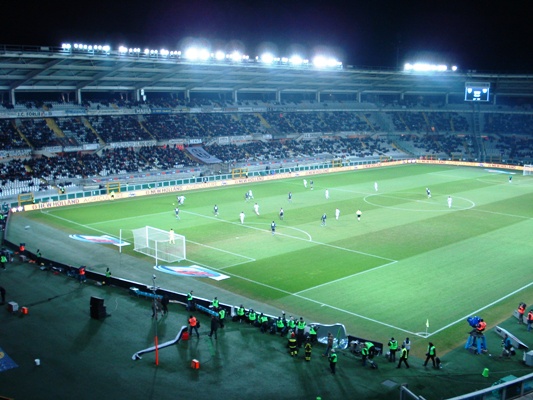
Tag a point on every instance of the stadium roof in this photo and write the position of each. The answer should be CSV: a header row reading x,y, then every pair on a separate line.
x,y
49,69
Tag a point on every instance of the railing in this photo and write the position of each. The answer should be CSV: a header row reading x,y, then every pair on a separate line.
x,y
509,388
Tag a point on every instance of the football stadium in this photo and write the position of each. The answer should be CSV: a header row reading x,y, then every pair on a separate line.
x,y
376,205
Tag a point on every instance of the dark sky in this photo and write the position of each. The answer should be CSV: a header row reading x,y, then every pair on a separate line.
x,y
474,34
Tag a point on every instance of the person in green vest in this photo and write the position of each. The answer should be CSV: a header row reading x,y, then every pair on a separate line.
x,y
190,301
333,361
215,304
252,317
431,354
300,331
403,357
293,347
240,313
107,276
3,260
368,352
39,257
221,317
312,334
263,322
281,327
291,324
393,348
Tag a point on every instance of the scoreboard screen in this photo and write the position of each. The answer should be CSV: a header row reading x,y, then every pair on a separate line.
x,y
477,91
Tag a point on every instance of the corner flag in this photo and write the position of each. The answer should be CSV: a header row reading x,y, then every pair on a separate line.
x,y
427,323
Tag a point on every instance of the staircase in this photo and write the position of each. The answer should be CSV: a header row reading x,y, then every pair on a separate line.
x,y
476,132
15,125
52,124
88,125
263,120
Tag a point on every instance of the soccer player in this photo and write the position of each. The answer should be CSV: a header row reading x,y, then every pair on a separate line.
x,y
358,213
305,183
281,213
246,196
241,216
376,186
449,201
256,208
510,178
337,213
181,200
311,183
428,192
324,217
171,236
177,212
215,210
290,197
273,227
250,194
327,194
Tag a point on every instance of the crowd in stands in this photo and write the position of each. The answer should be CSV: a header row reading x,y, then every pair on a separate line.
x,y
344,134
76,131
10,139
116,161
429,122
449,146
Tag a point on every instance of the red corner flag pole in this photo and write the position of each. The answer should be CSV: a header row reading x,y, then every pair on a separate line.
x,y
156,351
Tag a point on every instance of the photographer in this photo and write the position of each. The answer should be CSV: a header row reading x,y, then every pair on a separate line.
x,y
508,349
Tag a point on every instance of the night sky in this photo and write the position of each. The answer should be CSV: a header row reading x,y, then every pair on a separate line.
x,y
473,34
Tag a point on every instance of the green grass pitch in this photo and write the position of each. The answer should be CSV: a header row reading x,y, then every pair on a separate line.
x,y
410,259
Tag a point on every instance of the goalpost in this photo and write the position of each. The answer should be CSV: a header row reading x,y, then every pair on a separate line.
x,y
161,245
528,169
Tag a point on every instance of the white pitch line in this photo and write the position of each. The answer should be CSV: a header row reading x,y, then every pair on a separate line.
x,y
311,300
346,277
223,251
354,314
77,223
293,237
481,309
249,259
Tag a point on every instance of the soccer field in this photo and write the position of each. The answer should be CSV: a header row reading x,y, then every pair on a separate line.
x,y
410,260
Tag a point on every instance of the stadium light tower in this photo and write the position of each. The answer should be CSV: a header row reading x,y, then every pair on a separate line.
x,y
267,58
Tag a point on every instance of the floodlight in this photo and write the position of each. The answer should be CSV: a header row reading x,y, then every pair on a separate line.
x,y
320,61
332,62
66,46
203,54
191,53
267,58
123,49
296,60
219,55
425,67
235,56
164,52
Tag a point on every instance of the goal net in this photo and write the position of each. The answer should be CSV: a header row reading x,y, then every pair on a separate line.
x,y
528,169
162,245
